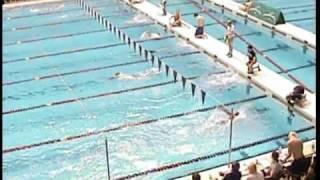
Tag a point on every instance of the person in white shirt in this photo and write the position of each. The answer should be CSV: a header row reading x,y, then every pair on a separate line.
x,y
229,37
275,171
253,174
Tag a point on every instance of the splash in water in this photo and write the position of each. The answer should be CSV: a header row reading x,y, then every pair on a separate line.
x,y
138,19
136,76
221,81
150,35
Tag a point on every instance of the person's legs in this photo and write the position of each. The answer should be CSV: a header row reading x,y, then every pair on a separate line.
x,y
230,45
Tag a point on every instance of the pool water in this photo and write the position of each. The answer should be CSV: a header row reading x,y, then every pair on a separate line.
x,y
54,54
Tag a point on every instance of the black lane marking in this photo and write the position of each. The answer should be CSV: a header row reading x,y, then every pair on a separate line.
x,y
73,34
293,7
300,11
87,97
49,24
180,54
297,68
63,52
73,72
53,37
53,12
92,69
39,4
210,156
126,125
299,19
41,14
245,34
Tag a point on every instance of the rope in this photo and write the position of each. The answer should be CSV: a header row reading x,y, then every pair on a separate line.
x,y
213,155
133,124
246,42
48,24
41,14
52,37
79,50
87,97
72,72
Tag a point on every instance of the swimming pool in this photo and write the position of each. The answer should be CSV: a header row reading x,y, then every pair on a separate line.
x,y
149,121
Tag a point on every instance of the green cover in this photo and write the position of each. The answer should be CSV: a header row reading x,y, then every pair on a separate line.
x,y
267,13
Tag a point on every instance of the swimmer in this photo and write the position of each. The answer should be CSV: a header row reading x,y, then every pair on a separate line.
x,y
150,35
136,76
123,76
176,19
247,6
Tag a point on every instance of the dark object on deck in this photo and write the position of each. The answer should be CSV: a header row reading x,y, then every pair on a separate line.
x,y
196,176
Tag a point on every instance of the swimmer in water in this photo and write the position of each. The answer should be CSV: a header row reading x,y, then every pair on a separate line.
x,y
150,35
123,76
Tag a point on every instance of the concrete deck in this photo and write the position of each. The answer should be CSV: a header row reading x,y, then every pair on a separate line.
x,y
271,82
289,30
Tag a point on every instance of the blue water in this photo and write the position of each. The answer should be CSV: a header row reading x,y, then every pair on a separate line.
x,y
136,148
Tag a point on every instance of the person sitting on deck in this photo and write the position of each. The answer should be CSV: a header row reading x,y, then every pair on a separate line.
x,y
253,173
295,149
275,171
176,19
200,27
196,176
247,6
298,96
135,1
234,174
252,60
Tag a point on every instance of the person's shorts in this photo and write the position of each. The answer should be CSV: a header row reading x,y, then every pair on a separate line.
x,y
299,166
199,31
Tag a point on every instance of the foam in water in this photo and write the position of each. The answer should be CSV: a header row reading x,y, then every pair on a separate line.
x,y
220,81
137,19
150,35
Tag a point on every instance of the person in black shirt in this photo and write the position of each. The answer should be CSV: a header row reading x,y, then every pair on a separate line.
x,y
252,59
235,174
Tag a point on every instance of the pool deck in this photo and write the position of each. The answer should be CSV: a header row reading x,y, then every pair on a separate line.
x,y
288,30
309,148
266,79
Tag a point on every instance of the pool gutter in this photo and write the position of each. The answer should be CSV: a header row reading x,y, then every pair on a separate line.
x,y
272,83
